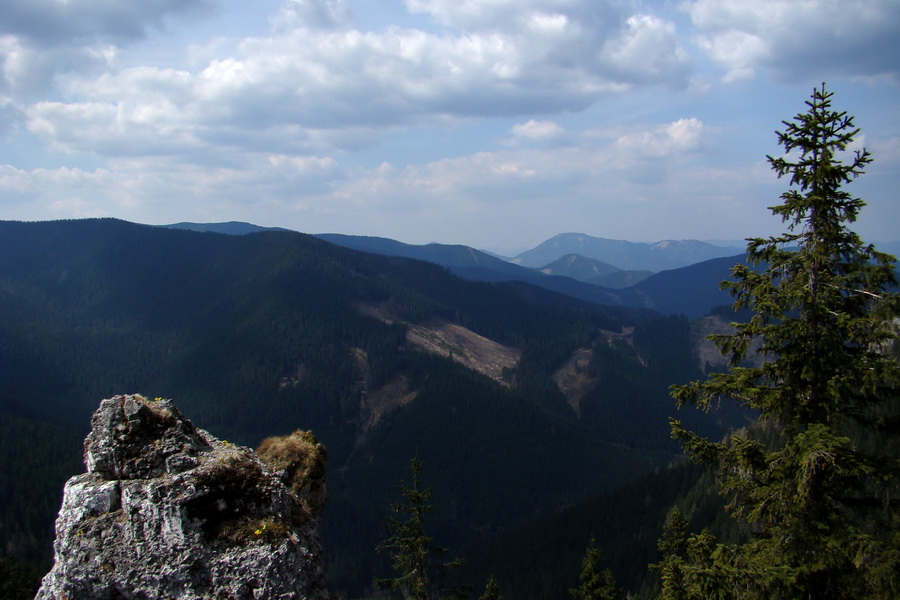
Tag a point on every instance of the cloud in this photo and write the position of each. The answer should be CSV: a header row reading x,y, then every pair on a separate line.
x,y
544,132
469,193
534,192
634,182
43,40
312,86
153,190
62,192
670,139
799,39
312,14
646,51
67,22
27,68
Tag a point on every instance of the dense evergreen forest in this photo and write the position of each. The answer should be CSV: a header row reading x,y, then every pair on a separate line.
x,y
265,333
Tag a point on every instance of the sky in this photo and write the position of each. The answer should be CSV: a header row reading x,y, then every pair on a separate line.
x,y
491,123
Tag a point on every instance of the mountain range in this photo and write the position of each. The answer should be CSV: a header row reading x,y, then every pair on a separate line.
x,y
537,403
691,288
519,401
659,256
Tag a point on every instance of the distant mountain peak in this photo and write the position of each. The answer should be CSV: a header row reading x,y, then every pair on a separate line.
x,y
578,267
634,256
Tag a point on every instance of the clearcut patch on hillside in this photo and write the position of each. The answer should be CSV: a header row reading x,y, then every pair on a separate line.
x,y
573,378
453,341
377,403
465,347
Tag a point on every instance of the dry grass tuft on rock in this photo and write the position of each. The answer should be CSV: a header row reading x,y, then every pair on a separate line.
x,y
300,460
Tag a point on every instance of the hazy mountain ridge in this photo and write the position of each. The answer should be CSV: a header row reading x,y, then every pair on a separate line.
x,y
594,271
228,227
474,265
692,290
448,255
578,267
636,256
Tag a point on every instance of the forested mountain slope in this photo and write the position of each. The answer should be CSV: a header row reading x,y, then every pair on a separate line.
x,y
383,358
692,290
689,284
476,265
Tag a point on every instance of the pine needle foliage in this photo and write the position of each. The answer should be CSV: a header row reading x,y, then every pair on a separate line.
x,y
816,479
416,561
595,584
673,546
491,590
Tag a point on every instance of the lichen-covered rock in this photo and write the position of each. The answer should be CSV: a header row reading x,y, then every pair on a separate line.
x,y
168,511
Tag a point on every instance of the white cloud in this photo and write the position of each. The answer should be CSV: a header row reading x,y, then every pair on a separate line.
x,y
632,182
476,15
63,192
302,85
42,41
538,131
799,39
670,139
27,68
739,51
646,51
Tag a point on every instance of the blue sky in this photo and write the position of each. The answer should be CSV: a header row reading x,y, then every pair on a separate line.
x,y
491,123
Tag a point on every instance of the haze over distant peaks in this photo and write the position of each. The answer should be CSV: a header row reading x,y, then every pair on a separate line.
x,y
593,271
659,256
229,227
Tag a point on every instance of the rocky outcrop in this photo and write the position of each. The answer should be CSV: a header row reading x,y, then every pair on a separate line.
x,y
166,510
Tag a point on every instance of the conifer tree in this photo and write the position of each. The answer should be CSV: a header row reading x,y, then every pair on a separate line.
x,y
415,559
491,590
15,584
816,479
673,547
595,584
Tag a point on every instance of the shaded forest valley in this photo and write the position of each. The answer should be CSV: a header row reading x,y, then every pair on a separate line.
x,y
541,420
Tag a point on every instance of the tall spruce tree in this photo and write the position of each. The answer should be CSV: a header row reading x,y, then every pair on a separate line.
x,y
817,479
416,561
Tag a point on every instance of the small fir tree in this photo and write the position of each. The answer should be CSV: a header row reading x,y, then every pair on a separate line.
x,y
595,584
816,480
672,546
491,590
415,559
15,584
